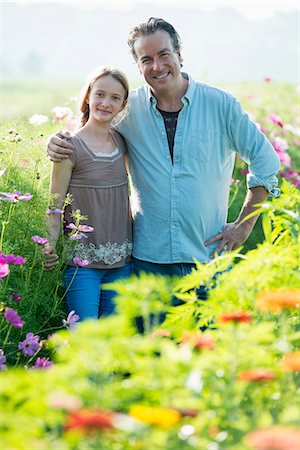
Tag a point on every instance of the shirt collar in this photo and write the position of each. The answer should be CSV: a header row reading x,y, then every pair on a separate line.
x,y
189,95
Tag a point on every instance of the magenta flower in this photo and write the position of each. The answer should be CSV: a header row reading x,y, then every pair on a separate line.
x,y
17,260
4,269
80,262
292,176
77,236
39,240
285,158
15,297
13,317
43,363
14,197
2,360
30,345
54,211
71,320
276,120
268,79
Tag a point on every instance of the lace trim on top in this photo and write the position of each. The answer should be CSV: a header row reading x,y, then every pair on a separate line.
x,y
106,254
113,153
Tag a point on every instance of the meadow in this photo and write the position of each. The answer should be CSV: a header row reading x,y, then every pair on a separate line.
x,y
220,374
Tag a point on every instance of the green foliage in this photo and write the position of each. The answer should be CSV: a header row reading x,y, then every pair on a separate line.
x,y
108,367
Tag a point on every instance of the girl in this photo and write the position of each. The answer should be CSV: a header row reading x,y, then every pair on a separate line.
x,y
95,176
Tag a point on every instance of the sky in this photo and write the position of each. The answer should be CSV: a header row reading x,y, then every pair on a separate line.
x,y
254,10
232,40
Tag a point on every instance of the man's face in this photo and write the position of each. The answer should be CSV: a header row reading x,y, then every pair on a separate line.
x,y
157,60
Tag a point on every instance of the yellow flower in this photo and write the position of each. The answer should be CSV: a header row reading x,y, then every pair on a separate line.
x,y
277,299
163,417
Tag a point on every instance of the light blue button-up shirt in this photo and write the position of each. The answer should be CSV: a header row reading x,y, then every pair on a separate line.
x,y
178,206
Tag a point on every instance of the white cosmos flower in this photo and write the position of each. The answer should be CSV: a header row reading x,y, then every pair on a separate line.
x,y
38,119
60,112
194,381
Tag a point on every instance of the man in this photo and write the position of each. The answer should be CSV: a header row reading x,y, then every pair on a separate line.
x,y
182,137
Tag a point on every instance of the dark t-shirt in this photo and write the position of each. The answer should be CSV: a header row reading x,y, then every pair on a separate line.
x,y
170,120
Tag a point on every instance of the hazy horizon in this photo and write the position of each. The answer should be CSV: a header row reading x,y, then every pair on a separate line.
x,y
222,40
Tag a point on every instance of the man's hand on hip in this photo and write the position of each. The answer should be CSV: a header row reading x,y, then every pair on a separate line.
x,y
231,238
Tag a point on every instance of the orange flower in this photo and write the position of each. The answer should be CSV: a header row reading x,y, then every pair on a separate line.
x,y
256,375
277,299
291,362
274,438
89,420
238,316
198,340
164,417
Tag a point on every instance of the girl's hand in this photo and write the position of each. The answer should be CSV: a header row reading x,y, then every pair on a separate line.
x,y
51,258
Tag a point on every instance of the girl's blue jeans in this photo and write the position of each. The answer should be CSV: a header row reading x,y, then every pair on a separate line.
x,y
85,294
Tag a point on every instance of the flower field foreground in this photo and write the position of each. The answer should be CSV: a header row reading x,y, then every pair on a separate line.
x,y
233,386
217,374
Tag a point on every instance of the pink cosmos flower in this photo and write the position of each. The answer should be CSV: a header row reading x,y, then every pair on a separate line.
x,y
80,262
4,269
30,345
39,240
43,363
285,158
71,320
80,228
13,317
60,400
267,79
280,144
17,260
276,120
2,360
291,175
14,197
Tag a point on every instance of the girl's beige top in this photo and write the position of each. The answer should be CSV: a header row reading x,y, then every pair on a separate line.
x,y
99,188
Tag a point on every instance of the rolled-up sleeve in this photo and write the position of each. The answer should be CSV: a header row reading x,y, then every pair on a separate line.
x,y
254,148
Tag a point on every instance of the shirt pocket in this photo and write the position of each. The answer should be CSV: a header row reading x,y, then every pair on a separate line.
x,y
204,144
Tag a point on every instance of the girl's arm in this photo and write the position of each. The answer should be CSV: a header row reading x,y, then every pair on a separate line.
x,y
60,180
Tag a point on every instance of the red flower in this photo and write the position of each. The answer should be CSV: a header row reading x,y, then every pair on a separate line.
x,y
256,375
89,420
274,438
237,316
198,340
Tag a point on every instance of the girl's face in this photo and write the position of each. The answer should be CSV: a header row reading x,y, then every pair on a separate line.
x,y
106,99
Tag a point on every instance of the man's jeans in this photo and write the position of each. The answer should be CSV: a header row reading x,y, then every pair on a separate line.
x,y
177,270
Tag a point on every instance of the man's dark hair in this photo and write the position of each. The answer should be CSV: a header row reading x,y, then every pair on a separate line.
x,y
153,24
